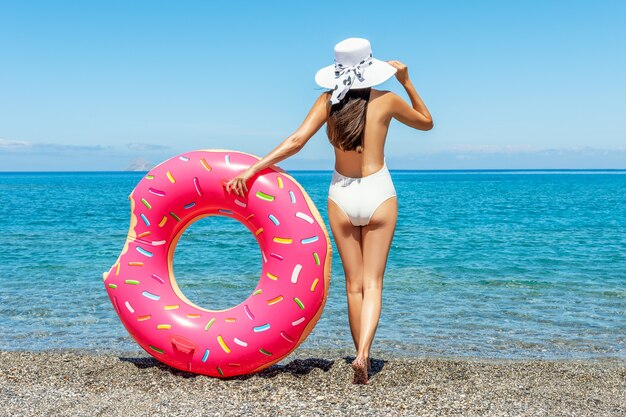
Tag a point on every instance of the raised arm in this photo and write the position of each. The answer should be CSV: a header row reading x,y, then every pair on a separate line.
x,y
416,116
290,146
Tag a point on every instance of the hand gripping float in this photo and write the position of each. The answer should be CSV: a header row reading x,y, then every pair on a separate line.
x,y
291,292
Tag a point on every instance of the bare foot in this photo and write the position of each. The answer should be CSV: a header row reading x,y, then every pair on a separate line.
x,y
360,371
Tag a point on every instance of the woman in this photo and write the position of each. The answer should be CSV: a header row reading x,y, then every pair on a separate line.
x,y
362,202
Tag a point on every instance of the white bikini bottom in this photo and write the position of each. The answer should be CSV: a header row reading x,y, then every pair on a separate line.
x,y
360,197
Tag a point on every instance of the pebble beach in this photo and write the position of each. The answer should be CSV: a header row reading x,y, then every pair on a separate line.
x,y
311,383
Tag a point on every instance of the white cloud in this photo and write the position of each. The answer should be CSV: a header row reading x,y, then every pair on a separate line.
x,y
13,144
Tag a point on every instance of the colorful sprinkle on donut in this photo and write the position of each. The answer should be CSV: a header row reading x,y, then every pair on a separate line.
x,y
205,164
275,300
220,340
209,324
264,196
283,240
304,217
151,296
261,328
295,273
240,342
156,192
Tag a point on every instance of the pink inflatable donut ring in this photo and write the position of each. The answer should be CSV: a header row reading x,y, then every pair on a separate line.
x,y
288,299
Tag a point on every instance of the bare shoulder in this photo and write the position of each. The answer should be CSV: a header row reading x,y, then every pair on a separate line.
x,y
383,101
325,96
323,100
389,99
376,94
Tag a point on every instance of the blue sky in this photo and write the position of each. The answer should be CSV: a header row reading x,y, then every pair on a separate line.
x,y
88,85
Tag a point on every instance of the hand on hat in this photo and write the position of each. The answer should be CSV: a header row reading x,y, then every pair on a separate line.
x,y
402,73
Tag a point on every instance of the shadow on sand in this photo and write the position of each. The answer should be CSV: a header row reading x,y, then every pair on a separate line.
x,y
297,368
377,364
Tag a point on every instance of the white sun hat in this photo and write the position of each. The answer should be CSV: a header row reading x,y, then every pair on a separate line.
x,y
354,67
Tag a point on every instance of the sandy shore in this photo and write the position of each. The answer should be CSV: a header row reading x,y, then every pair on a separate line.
x,y
80,384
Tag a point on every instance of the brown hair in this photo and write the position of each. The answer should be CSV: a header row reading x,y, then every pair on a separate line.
x,y
345,125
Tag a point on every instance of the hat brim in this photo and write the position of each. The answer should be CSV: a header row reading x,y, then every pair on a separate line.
x,y
376,73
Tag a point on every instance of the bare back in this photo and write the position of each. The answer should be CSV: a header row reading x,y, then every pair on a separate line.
x,y
377,120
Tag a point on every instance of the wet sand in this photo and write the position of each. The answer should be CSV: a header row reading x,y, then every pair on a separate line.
x,y
309,384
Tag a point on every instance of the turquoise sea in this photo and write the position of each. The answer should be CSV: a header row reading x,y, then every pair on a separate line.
x,y
496,264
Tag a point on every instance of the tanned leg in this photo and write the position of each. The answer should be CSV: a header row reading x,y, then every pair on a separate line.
x,y
376,241
348,241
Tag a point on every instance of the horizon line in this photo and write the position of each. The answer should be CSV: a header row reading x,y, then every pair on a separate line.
x,y
330,170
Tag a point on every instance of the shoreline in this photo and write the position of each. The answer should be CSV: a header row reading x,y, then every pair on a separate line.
x,y
324,352
309,382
